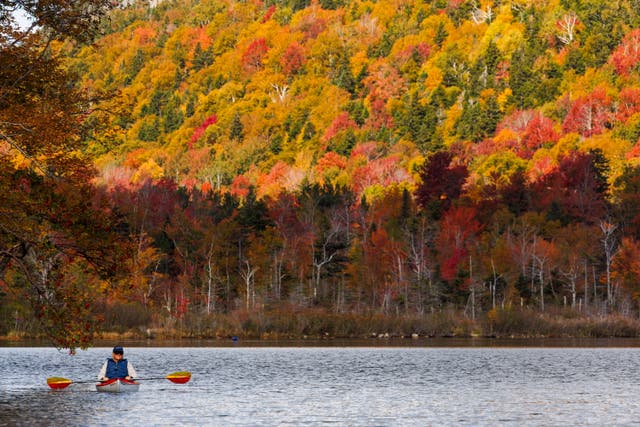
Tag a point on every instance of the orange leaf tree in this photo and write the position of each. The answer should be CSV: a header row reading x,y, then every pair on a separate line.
x,y
56,235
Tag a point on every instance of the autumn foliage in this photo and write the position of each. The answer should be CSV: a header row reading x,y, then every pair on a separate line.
x,y
349,156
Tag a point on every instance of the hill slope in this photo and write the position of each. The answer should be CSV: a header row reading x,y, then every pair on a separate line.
x,y
357,92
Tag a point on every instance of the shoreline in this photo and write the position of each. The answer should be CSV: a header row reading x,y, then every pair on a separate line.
x,y
423,342
506,327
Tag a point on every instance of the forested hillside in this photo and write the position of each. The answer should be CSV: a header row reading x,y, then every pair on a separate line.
x,y
404,159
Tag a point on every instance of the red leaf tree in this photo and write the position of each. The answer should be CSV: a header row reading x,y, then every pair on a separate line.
x,y
539,131
441,183
458,228
293,59
575,189
340,123
628,103
627,55
199,131
254,55
589,115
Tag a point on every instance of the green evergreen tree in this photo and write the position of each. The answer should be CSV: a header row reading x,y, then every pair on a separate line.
x,y
491,116
202,58
156,103
342,75
357,111
236,132
276,144
172,115
383,47
190,108
178,78
601,168
441,35
460,13
469,125
179,55
309,132
359,83
137,63
411,117
523,81
478,121
295,122
483,73
454,69
150,132
575,60
253,214
332,4
418,121
343,143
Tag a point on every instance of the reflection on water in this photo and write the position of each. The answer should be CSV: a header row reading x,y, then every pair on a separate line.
x,y
308,386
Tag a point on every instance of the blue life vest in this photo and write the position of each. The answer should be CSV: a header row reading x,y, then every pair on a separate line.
x,y
117,369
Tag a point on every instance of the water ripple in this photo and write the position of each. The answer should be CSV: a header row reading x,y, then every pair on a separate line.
x,y
331,386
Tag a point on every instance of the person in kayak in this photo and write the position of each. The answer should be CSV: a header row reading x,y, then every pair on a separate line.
x,y
117,367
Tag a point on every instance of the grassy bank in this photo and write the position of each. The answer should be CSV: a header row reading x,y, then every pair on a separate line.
x,y
321,324
497,323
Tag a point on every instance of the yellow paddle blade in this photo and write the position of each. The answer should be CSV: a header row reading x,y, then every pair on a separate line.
x,y
179,377
58,382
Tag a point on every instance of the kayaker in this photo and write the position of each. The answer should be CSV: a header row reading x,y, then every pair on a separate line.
x,y
117,366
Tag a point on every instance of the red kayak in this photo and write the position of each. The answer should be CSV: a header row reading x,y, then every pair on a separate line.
x,y
117,385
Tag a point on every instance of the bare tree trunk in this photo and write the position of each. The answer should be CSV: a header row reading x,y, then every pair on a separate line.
x,y
278,274
493,285
609,244
473,290
586,286
320,261
595,287
401,280
541,277
210,285
248,274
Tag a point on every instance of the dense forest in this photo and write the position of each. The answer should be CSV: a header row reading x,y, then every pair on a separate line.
x,y
289,168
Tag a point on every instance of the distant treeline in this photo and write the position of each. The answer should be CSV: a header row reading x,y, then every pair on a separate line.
x,y
561,244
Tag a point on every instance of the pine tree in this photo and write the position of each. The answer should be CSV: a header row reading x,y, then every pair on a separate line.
x,y
522,79
470,124
441,35
491,116
137,63
342,76
236,132
202,58
253,214
172,115
150,132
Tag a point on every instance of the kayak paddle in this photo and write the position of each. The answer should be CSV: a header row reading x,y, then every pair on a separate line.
x,y
180,377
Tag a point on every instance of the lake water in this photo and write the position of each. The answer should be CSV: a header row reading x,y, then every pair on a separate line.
x,y
337,386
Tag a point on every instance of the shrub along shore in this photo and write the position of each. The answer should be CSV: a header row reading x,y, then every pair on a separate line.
x,y
320,324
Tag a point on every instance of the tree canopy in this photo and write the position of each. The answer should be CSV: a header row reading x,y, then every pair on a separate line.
x,y
210,156
56,238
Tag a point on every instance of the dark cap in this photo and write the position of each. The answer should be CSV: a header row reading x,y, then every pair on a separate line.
x,y
118,350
